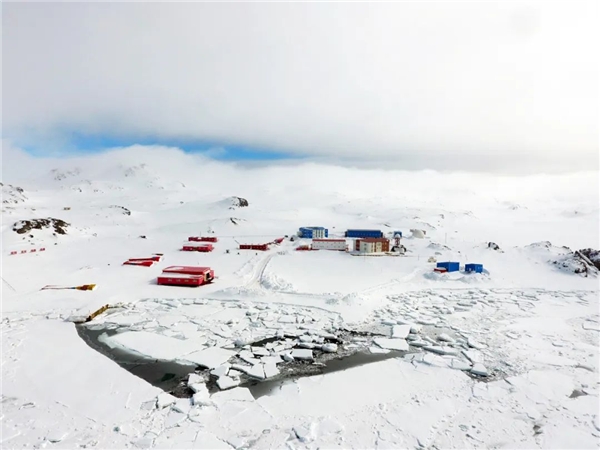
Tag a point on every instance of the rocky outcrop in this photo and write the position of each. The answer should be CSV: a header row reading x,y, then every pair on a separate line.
x,y
63,175
125,211
585,262
590,256
12,194
25,226
238,202
493,246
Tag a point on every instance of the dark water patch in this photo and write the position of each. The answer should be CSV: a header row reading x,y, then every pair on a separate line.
x,y
166,375
171,376
356,333
292,371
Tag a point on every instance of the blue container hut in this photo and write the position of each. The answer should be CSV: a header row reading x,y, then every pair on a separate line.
x,y
477,268
450,266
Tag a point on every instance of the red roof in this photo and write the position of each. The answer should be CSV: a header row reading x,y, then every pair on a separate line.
x,y
189,270
374,240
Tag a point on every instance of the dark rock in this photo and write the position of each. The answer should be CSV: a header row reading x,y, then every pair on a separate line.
x,y
12,194
238,202
592,255
122,208
585,262
24,226
493,246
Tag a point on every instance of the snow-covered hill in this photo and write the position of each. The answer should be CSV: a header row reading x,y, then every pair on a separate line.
x,y
529,319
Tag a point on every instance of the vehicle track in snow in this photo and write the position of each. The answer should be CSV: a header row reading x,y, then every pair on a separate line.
x,y
257,277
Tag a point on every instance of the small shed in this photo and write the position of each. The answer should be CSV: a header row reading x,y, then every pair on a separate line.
x,y
477,268
450,266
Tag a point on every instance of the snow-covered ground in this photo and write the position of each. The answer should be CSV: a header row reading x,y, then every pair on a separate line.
x,y
508,358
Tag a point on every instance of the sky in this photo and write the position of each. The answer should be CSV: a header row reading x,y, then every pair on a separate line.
x,y
483,86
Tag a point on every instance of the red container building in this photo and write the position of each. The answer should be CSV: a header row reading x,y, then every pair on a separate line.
x,y
186,276
261,247
205,248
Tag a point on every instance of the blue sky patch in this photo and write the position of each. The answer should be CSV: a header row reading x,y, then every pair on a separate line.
x,y
78,144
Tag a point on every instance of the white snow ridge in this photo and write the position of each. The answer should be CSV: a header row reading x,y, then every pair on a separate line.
x,y
287,348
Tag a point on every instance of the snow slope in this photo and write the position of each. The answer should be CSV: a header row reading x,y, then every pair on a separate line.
x,y
534,327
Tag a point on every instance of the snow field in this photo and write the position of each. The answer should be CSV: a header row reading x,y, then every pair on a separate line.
x,y
532,328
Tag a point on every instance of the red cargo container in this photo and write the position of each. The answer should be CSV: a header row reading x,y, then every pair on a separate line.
x,y
203,239
261,247
279,241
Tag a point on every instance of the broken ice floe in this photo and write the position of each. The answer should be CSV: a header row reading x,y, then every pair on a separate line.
x,y
479,369
378,350
474,344
445,338
329,348
220,371
302,354
473,355
164,399
210,357
392,344
459,364
400,331
441,350
225,382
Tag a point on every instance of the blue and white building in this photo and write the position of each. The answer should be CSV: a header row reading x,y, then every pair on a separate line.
x,y
313,232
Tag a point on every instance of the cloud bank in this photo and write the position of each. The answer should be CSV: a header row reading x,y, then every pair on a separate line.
x,y
475,86
205,176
